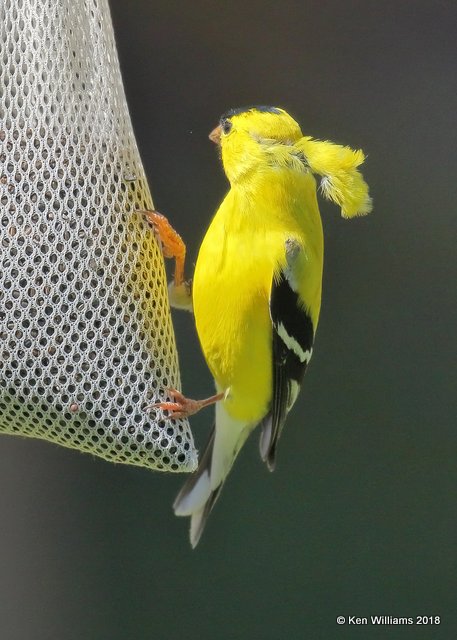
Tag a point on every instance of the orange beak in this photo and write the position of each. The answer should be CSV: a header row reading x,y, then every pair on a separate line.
x,y
215,135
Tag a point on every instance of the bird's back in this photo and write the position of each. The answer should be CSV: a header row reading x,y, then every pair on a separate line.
x,y
242,250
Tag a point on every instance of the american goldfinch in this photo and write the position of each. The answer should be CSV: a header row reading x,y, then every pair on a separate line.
x,y
257,285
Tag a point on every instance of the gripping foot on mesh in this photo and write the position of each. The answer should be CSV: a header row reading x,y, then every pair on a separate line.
x,y
173,246
182,407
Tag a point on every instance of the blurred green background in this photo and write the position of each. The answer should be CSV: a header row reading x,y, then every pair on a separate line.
x,y
360,516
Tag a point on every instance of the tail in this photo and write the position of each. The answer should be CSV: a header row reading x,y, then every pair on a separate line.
x,y
341,180
199,494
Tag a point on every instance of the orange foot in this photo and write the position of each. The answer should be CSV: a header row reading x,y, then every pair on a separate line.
x,y
183,407
172,244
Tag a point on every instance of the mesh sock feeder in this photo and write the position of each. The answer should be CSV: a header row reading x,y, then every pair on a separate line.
x,y
86,339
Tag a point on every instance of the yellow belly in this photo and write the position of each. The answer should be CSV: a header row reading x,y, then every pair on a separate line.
x,y
238,257
234,328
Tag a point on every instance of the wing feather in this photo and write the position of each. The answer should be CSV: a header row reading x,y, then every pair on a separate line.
x,y
293,337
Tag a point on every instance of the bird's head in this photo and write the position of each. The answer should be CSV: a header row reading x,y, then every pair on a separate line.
x,y
244,134
253,139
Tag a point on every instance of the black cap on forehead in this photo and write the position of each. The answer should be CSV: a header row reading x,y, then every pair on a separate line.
x,y
235,112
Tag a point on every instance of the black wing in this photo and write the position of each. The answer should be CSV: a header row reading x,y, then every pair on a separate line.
x,y
293,336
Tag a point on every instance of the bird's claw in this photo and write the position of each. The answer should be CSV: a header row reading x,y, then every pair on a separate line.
x,y
171,242
182,407
178,407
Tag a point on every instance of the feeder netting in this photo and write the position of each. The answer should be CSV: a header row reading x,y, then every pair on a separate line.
x,y
86,339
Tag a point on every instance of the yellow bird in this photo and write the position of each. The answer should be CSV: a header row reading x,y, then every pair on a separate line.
x,y
256,290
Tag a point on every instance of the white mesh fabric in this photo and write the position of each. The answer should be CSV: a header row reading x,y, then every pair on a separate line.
x,y
86,339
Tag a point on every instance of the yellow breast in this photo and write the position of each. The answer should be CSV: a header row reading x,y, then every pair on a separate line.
x,y
242,249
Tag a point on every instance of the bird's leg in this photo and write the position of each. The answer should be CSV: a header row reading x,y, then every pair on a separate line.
x,y
172,247
172,244
182,407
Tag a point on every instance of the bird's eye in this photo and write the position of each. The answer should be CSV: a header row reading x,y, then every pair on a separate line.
x,y
226,126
